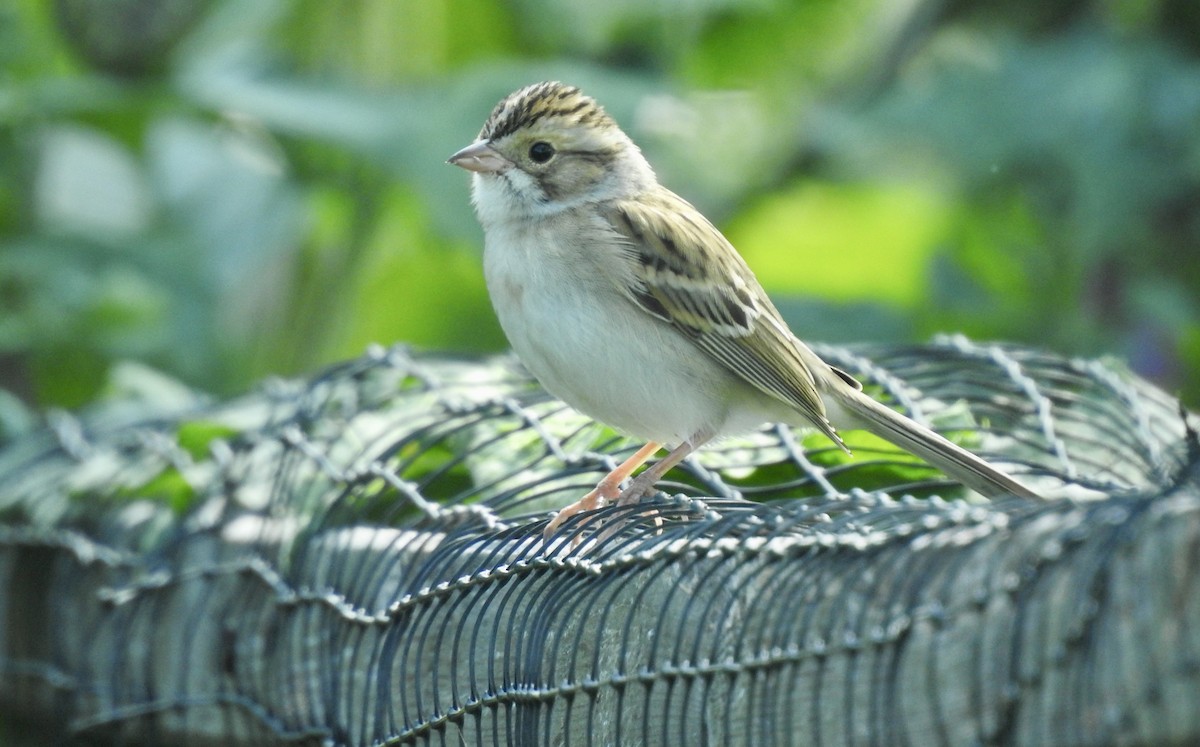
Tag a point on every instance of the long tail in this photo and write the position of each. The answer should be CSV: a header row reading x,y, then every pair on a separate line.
x,y
909,435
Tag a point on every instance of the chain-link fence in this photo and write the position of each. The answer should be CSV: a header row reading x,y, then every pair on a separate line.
x,y
358,559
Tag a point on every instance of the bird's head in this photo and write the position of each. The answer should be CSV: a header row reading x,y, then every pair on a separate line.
x,y
548,147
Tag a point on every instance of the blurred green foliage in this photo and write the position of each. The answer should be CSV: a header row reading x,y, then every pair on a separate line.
x,y
230,189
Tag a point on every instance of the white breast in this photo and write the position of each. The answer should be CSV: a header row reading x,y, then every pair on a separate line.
x,y
591,346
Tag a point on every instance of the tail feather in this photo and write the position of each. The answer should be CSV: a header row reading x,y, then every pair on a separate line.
x,y
911,436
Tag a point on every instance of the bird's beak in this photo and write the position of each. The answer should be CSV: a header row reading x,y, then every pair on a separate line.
x,y
480,157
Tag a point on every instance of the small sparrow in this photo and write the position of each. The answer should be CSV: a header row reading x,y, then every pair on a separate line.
x,y
628,304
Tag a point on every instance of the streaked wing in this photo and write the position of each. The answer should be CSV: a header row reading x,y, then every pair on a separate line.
x,y
686,273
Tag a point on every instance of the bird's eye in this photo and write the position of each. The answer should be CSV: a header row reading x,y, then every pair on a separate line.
x,y
541,151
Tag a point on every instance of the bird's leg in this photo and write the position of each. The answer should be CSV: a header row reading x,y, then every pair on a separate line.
x,y
643,482
606,490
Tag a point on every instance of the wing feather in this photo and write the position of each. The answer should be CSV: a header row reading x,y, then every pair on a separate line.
x,y
685,272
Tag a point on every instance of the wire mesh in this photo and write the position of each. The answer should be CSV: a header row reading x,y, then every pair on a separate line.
x,y
358,559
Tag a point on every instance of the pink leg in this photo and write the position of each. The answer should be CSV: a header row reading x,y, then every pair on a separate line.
x,y
606,490
643,482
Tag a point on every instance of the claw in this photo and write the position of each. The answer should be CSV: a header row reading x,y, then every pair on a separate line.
x,y
607,490
601,496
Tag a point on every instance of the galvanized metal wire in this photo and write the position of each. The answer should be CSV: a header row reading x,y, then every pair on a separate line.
x,y
358,559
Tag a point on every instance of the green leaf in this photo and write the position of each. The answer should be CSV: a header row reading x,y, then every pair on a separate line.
x,y
844,242
169,487
196,436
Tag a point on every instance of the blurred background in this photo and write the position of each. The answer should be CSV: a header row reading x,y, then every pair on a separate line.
x,y
222,191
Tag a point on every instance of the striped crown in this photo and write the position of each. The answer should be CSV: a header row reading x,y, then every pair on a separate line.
x,y
524,107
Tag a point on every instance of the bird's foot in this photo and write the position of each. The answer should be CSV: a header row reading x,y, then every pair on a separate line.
x,y
605,491
602,495
633,494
